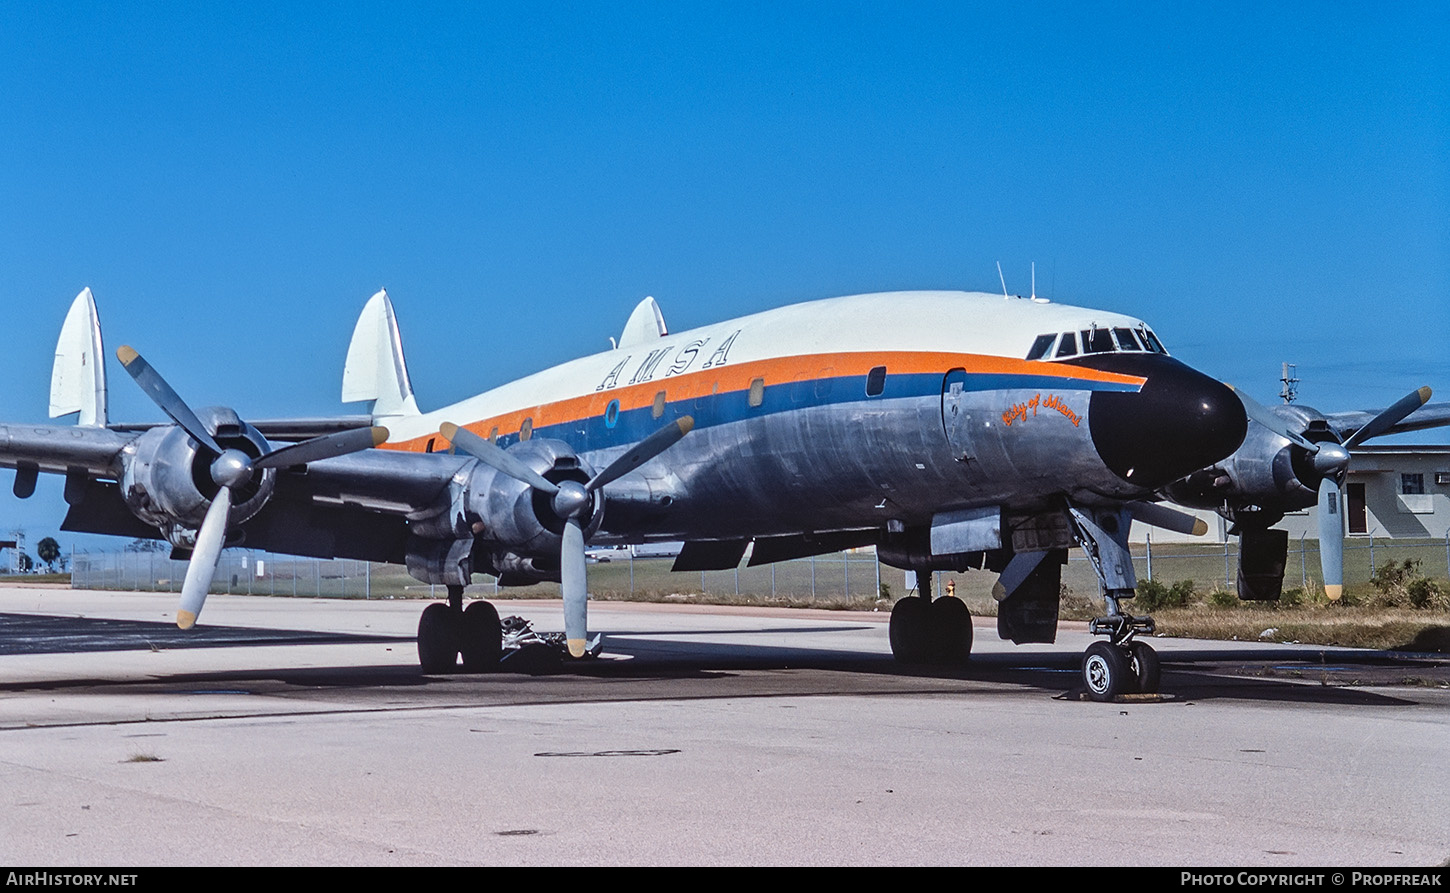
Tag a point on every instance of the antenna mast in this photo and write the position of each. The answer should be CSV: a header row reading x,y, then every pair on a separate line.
x,y
1004,280
1291,383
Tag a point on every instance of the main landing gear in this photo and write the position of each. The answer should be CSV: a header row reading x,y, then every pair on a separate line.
x,y
446,630
924,631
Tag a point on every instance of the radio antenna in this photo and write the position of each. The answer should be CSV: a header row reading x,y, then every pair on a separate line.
x,y
1034,280
1004,280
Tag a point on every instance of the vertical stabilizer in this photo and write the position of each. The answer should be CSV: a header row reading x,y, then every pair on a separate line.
x,y
78,378
645,324
375,369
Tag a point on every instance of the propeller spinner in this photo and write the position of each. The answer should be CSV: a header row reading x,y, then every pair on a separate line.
x,y
230,470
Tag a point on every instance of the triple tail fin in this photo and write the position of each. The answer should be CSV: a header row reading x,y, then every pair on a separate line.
x,y
78,378
375,369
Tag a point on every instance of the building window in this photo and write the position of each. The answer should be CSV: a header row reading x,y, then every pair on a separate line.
x,y
1412,484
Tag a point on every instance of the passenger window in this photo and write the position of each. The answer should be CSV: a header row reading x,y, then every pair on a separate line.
x,y
876,381
1068,347
493,434
659,407
427,449
1041,346
526,430
757,392
1127,340
1097,341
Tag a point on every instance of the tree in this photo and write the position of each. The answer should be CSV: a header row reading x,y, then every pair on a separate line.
x,y
48,551
24,563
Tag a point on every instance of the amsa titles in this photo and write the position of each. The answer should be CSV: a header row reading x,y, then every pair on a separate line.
x,y
683,361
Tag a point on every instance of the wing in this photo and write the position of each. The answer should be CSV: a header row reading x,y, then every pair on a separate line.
x,y
1431,415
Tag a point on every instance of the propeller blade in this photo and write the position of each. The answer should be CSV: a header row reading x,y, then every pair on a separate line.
x,y
327,446
1159,515
161,393
1390,417
644,451
1259,413
575,587
202,567
493,455
1331,538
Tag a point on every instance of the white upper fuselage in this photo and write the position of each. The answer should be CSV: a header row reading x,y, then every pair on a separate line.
x,y
793,343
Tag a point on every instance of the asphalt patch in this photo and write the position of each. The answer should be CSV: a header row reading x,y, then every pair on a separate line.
x,y
43,634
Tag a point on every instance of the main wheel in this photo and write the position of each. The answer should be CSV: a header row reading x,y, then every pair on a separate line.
x,y
950,631
482,640
438,639
1147,669
908,630
1106,671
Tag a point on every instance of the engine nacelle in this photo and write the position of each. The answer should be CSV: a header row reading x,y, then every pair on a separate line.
x,y
1267,474
166,477
519,518
513,529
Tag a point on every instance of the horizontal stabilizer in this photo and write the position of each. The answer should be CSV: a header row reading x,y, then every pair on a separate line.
x,y
78,378
375,369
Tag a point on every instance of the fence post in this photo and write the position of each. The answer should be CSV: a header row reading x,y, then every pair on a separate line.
x,y
1148,539
1303,566
1226,579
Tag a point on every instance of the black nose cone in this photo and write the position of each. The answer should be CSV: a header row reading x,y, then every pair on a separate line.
x,y
1179,422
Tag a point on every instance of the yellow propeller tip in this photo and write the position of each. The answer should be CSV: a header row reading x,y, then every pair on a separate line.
x,y
380,435
1333,591
185,619
1200,527
126,354
686,423
576,647
448,430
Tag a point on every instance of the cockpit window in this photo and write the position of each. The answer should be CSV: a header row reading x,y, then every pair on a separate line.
x,y
1041,346
1127,340
1097,341
1068,347
1152,340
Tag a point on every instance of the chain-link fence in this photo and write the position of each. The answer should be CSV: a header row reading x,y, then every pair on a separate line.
x,y
836,580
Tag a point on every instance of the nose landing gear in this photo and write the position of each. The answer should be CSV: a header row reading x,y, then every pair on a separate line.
x,y
1120,665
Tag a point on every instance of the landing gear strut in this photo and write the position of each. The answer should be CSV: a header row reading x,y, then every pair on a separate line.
x,y
930,632
1120,665
446,630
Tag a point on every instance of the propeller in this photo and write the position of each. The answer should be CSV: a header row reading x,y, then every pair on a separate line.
x,y
571,501
1330,461
230,469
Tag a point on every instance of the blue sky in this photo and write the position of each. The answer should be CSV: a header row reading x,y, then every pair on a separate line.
x,y
233,181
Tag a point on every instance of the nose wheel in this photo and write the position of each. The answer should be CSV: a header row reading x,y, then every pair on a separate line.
x,y
1110,670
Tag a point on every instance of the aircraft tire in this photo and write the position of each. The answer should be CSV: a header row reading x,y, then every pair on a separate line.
x,y
909,630
482,639
951,631
1146,667
438,639
1106,671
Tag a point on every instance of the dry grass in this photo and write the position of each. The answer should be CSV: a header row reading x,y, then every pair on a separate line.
x,y
1354,627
